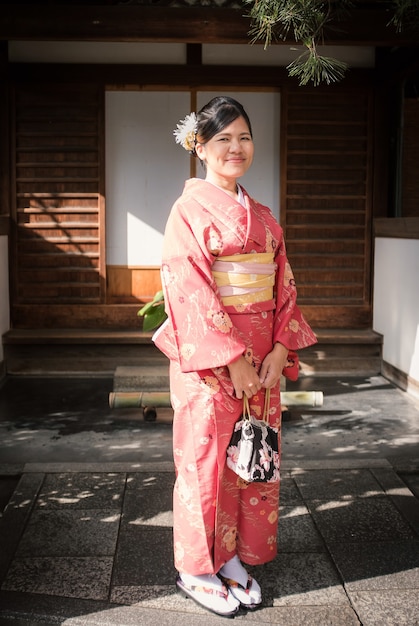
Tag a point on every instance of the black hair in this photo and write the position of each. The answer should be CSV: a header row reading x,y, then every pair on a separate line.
x,y
218,113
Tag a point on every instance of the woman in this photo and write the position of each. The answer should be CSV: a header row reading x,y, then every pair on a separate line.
x,y
230,298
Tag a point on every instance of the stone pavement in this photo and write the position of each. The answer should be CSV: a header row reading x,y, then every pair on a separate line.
x,y
91,543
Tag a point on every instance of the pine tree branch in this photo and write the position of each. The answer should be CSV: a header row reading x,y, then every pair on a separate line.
x,y
405,12
315,68
307,20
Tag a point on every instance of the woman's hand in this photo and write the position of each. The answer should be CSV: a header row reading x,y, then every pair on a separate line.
x,y
272,366
244,377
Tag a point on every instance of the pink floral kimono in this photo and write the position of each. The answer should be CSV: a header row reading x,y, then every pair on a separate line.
x,y
216,514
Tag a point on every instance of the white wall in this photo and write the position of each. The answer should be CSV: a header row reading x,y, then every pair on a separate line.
x,y
4,290
396,302
96,52
282,55
145,172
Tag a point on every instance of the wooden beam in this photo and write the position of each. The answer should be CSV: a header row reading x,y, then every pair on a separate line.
x,y
362,26
193,54
123,23
4,225
394,65
397,227
130,74
157,75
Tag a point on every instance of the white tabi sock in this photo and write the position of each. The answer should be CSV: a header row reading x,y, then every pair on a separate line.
x,y
203,580
234,569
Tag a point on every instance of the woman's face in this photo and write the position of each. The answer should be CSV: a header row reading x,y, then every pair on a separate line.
x,y
229,154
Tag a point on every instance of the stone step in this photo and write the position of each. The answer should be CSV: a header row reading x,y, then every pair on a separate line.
x,y
75,352
141,378
343,352
340,366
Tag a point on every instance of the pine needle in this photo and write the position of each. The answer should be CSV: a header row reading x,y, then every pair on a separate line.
x,y
306,19
406,12
316,69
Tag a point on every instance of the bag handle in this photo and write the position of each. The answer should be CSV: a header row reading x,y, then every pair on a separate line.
x,y
266,405
246,407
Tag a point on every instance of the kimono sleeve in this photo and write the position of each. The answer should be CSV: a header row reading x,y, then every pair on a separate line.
x,y
201,328
290,327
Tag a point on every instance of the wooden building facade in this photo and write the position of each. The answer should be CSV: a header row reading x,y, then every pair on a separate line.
x,y
343,157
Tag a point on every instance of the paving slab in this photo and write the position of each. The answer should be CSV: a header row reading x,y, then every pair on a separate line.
x,y
309,579
144,556
393,608
339,484
412,481
297,531
378,565
359,521
82,490
85,532
148,499
15,517
70,577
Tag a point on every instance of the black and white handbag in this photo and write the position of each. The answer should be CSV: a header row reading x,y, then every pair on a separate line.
x,y
253,452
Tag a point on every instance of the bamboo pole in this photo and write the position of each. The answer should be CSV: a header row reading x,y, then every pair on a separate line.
x,y
144,399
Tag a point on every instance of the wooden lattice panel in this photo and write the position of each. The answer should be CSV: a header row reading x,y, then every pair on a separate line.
x,y
326,202
57,192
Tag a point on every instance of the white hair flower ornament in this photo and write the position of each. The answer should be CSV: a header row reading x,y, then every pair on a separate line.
x,y
185,132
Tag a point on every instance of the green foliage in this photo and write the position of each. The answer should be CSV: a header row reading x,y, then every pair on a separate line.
x,y
276,18
405,12
153,312
307,21
312,67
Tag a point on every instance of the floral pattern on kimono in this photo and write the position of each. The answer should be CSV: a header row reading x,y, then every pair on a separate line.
x,y
216,514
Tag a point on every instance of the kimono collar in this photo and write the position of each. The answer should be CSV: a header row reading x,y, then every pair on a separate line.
x,y
240,219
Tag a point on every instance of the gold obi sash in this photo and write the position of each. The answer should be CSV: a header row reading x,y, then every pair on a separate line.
x,y
245,278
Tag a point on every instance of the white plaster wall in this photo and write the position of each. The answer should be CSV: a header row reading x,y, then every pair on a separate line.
x,y
396,302
4,290
282,55
96,52
145,172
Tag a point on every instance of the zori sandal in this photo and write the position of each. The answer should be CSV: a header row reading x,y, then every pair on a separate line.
x,y
243,587
250,597
209,592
